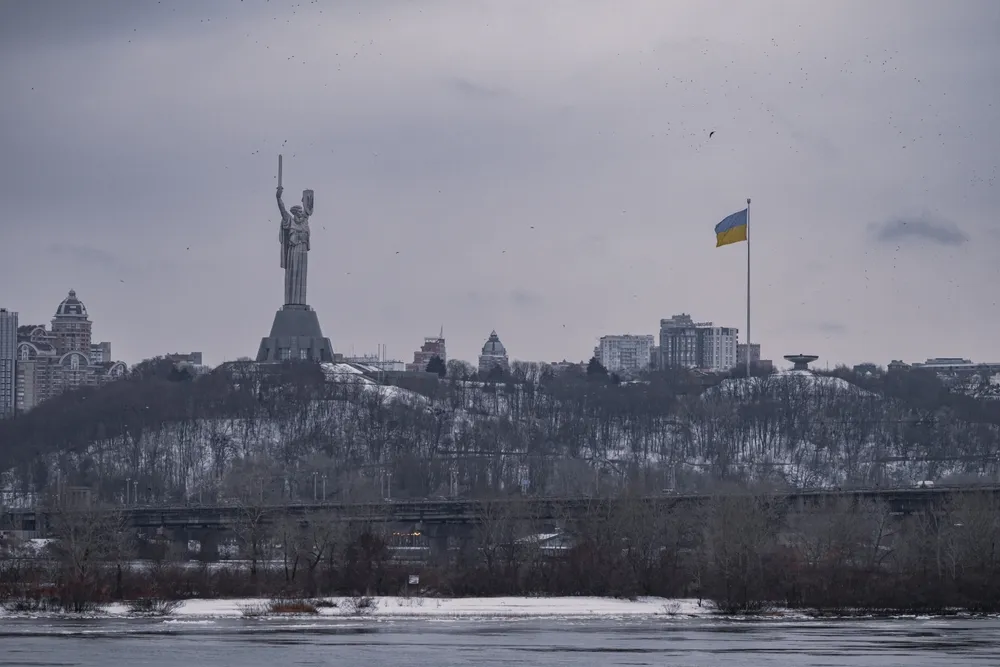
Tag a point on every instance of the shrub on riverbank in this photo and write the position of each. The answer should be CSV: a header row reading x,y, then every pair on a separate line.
x,y
153,606
741,552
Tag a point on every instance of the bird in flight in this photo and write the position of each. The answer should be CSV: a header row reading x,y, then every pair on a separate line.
x,y
711,133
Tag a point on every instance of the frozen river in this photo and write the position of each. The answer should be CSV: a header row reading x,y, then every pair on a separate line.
x,y
439,642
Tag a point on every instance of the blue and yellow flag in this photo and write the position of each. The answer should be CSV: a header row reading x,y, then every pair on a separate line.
x,y
732,230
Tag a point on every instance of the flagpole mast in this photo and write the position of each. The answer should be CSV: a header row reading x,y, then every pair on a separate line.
x,y
748,287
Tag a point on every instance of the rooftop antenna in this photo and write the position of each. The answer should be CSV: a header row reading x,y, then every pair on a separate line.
x,y
441,335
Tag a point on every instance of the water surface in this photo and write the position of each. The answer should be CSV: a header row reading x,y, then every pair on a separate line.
x,y
543,642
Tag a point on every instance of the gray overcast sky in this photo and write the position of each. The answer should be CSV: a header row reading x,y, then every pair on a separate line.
x,y
539,168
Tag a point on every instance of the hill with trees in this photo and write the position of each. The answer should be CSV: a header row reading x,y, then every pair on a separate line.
x,y
178,436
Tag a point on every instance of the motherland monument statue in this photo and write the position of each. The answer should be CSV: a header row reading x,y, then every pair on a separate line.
x,y
295,333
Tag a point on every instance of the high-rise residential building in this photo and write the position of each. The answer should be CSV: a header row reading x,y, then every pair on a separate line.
x,y
494,355
72,327
679,342
99,353
755,360
741,354
432,347
626,353
718,348
690,344
52,361
8,360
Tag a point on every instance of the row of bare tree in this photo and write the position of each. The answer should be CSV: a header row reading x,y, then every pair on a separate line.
x,y
742,552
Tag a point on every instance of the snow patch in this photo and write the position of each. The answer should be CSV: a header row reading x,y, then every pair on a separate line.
x,y
204,611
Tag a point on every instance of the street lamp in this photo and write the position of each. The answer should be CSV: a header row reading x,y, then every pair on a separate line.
x,y
315,476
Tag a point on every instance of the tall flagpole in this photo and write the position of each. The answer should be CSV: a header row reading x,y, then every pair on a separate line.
x,y
748,287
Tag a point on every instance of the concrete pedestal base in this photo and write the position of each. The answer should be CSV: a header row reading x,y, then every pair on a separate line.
x,y
295,335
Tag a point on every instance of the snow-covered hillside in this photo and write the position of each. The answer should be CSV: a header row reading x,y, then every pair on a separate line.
x,y
229,434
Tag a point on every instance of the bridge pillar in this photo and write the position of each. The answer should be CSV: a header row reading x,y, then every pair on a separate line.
x,y
178,542
439,548
443,539
209,541
437,539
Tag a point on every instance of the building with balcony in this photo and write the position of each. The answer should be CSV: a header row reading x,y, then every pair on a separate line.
x,y
626,353
432,347
50,361
702,345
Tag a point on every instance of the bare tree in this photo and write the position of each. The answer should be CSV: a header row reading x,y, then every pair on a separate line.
x,y
21,571
86,539
323,542
842,548
290,531
252,535
973,549
740,532
366,552
496,543
121,547
651,540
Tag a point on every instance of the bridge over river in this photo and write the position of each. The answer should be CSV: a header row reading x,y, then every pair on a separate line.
x,y
468,512
439,521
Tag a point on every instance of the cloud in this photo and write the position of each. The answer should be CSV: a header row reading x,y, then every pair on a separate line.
x,y
517,297
828,327
471,89
524,299
925,228
84,254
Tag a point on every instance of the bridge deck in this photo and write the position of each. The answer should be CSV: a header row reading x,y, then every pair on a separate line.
x,y
466,511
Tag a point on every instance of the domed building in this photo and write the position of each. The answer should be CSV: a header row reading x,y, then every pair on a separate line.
x,y
52,361
494,354
71,326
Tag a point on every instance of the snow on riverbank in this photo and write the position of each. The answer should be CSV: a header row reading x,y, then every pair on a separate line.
x,y
415,608
473,607
431,608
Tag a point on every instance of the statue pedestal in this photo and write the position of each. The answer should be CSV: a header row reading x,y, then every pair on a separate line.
x,y
295,335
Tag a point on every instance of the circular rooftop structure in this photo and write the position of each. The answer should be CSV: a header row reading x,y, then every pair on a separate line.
x,y
72,307
801,361
493,346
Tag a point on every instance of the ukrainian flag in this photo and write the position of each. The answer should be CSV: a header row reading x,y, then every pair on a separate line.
x,y
733,229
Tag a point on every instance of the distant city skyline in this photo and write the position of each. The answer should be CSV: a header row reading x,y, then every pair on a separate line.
x,y
556,190
431,347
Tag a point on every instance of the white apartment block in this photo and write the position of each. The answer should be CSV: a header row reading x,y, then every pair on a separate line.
x,y
690,344
719,348
625,353
741,354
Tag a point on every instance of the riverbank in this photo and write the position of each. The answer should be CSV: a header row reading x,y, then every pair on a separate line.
x,y
471,608
412,607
